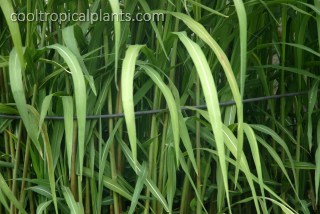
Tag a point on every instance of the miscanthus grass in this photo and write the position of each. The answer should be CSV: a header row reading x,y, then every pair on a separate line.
x,y
259,157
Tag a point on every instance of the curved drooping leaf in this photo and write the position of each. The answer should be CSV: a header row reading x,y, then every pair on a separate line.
x,y
211,97
18,92
127,74
79,96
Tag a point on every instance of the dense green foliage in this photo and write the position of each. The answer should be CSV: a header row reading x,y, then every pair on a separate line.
x,y
260,157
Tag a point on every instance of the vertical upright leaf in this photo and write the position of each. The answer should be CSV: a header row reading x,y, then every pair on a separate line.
x,y
317,160
115,6
8,12
242,17
67,103
313,94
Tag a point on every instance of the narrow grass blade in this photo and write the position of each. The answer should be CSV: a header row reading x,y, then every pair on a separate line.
x,y
269,11
106,149
152,73
146,8
141,93
5,109
231,143
313,95
183,130
316,7
43,190
185,168
284,208
75,207
242,18
137,190
109,183
47,147
127,74
148,182
3,201
256,157
172,180
7,191
317,160
187,142
276,157
71,43
80,96
17,87
211,97
202,33
317,155
207,8
115,6
280,141
44,109
299,46
4,62
290,69
43,206
67,103
7,10
113,186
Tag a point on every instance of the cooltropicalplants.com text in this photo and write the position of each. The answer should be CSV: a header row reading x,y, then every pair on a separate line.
x,y
88,16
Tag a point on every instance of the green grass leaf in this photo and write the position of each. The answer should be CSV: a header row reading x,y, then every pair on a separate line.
x,y
115,6
3,201
146,9
152,73
203,34
18,92
43,206
148,182
289,69
7,192
127,74
6,109
138,188
313,95
79,96
211,97
231,143
67,103
44,109
75,207
70,41
8,10
48,153
242,18
256,157
317,160
279,140
43,190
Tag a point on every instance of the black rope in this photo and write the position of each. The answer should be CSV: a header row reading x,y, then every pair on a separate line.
x,y
155,111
